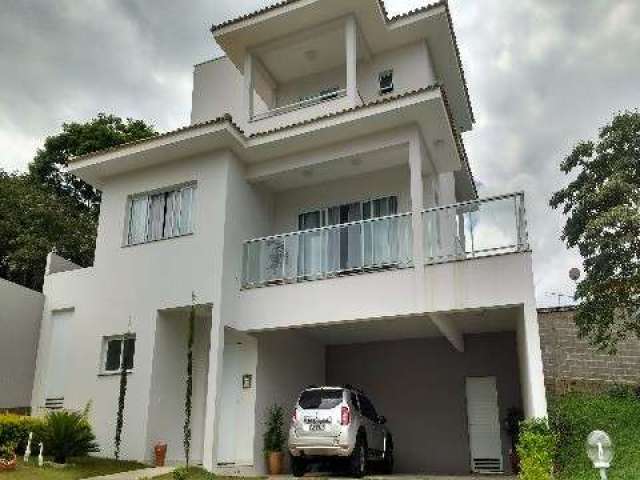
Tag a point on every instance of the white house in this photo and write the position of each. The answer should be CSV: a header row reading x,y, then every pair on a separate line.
x,y
322,209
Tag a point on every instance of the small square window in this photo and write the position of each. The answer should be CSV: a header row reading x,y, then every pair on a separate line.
x,y
385,80
118,351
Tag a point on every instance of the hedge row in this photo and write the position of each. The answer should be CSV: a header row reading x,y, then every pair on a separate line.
x,y
14,430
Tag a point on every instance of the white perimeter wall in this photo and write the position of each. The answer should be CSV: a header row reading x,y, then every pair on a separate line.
x,y
20,314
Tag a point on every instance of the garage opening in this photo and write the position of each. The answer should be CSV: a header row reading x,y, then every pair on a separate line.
x,y
414,377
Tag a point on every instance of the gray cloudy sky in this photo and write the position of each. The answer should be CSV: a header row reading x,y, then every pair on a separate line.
x,y
542,74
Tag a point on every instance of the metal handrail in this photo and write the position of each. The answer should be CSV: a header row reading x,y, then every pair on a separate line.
x,y
475,202
327,227
301,104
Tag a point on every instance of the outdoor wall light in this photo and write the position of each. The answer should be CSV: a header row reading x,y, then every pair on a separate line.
x,y
600,451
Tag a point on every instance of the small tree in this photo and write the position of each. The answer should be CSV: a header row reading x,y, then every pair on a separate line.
x,y
189,382
274,437
602,205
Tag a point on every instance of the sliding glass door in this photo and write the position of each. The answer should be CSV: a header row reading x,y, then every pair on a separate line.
x,y
349,243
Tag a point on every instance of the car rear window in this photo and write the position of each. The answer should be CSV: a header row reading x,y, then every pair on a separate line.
x,y
320,399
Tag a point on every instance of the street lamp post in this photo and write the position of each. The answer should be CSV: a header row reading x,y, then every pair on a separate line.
x,y
600,451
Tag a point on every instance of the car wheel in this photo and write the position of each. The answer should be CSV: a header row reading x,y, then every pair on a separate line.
x,y
298,466
358,459
387,463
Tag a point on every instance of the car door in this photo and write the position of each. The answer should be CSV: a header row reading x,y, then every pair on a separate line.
x,y
375,431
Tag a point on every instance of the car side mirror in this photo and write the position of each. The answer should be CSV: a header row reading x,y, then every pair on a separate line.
x,y
382,420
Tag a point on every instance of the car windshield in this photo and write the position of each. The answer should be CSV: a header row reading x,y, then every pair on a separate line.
x,y
320,399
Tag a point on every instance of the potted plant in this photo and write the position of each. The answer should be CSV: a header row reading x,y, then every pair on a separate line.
x,y
274,440
512,427
8,457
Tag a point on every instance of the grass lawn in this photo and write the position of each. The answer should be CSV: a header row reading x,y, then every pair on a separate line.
x,y
199,474
580,414
76,469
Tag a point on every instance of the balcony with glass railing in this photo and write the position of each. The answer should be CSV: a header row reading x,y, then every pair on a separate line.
x,y
478,228
467,230
375,244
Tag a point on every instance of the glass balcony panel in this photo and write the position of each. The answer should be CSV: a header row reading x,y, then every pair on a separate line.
x,y
325,252
475,229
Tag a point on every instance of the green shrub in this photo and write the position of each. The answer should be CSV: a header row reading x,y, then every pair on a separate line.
x,y
67,434
536,450
14,429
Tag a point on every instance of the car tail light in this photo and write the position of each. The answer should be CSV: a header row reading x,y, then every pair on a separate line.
x,y
345,416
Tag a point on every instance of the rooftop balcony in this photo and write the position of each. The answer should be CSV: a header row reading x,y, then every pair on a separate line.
x,y
303,75
467,230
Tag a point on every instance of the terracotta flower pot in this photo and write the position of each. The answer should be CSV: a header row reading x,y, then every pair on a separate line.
x,y
160,453
275,462
8,465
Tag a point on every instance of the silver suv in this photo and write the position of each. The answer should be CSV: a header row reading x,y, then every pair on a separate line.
x,y
339,425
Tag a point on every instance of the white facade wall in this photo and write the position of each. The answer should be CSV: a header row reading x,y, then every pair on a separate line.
x,y
290,203
20,314
135,282
277,383
167,394
214,80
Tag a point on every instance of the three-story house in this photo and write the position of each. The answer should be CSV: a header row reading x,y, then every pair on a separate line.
x,y
321,217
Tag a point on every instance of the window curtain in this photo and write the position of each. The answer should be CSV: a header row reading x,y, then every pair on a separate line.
x,y
156,217
186,211
138,220
351,237
381,237
310,250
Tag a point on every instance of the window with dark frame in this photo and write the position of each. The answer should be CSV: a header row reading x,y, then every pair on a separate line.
x,y
385,81
119,352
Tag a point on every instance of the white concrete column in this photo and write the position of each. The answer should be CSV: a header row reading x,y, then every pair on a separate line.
x,y
351,45
416,154
214,382
531,368
249,83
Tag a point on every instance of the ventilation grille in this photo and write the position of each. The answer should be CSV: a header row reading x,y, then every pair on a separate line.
x,y
54,403
487,465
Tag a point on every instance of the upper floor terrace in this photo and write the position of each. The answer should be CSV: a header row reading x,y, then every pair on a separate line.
x,y
300,60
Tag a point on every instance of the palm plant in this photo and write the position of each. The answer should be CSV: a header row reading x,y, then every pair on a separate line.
x,y
68,434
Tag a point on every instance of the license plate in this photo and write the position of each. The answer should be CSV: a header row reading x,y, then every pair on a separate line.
x,y
316,427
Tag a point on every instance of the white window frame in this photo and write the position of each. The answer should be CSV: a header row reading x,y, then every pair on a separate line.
x,y
105,347
129,204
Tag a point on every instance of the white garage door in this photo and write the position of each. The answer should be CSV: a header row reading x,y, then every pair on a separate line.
x,y
484,425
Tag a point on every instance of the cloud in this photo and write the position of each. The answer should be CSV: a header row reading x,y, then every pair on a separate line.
x,y
542,75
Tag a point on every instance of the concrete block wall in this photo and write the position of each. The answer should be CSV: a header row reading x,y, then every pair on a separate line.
x,y
571,363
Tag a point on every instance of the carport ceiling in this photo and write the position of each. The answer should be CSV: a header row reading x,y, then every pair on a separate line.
x,y
485,321
373,331
402,328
